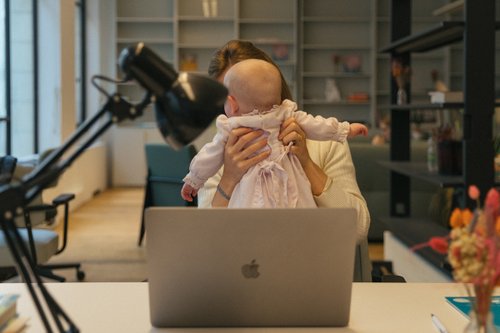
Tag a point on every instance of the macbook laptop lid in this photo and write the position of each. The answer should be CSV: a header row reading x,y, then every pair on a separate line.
x,y
250,267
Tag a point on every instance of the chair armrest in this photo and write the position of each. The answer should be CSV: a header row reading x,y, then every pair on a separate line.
x,y
63,199
38,208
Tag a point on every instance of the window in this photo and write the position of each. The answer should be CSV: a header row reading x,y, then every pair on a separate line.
x,y
23,131
3,80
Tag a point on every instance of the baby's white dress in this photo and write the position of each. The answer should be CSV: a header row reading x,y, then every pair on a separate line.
x,y
279,181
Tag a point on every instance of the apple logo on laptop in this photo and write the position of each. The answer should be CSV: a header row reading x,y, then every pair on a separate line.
x,y
251,270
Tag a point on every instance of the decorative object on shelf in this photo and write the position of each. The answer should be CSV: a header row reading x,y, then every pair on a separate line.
x,y
401,74
358,97
336,60
189,62
439,85
351,63
210,8
280,52
449,151
446,97
332,91
432,165
473,249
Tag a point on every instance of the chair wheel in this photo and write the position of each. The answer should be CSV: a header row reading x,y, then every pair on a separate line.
x,y
80,275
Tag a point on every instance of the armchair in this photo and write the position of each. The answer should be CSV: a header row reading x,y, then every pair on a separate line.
x,y
42,242
166,169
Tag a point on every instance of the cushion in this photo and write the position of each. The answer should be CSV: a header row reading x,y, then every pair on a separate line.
x,y
46,242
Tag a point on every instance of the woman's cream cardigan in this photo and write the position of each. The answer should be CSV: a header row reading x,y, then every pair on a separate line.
x,y
341,188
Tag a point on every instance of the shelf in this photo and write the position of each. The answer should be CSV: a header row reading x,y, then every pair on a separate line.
x,y
265,21
445,33
270,41
419,170
416,231
144,20
427,106
359,75
336,19
205,19
449,8
334,47
341,103
145,40
198,46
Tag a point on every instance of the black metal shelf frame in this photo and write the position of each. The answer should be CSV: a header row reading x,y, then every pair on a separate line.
x,y
477,32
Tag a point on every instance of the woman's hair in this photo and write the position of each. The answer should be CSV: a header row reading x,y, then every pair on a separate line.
x,y
237,50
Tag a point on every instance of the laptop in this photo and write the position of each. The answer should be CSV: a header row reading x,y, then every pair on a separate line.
x,y
250,267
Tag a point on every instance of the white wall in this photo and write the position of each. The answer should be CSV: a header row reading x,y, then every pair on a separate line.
x,y
88,174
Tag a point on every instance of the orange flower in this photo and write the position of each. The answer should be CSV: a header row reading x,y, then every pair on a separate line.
x,y
467,216
456,218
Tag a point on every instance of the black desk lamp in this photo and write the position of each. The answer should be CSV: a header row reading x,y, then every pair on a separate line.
x,y
185,104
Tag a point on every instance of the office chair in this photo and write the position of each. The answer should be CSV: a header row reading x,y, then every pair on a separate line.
x,y
7,166
166,169
42,243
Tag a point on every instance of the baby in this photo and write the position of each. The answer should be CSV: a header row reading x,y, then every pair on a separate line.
x,y
255,101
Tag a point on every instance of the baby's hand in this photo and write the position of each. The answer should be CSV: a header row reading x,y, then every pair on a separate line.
x,y
357,129
188,192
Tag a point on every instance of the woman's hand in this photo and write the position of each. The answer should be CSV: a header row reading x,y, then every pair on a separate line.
x,y
291,131
239,156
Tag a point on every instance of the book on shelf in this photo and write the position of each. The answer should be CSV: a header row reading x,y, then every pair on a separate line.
x,y
8,309
446,97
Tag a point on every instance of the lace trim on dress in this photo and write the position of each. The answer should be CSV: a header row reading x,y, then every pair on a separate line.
x,y
257,112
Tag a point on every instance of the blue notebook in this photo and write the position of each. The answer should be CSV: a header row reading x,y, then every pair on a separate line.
x,y
463,304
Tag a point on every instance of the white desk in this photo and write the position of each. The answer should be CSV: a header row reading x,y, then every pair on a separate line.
x,y
124,307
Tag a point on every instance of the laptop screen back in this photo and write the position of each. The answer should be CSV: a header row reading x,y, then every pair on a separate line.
x,y
250,267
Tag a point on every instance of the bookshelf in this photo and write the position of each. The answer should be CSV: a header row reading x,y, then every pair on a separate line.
x,y
476,31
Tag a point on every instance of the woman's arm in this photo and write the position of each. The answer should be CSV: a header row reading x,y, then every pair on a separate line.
x,y
238,158
342,188
329,168
291,131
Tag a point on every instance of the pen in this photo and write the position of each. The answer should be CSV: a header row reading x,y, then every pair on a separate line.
x,y
438,324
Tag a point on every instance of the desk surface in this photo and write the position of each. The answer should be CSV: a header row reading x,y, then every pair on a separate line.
x,y
375,307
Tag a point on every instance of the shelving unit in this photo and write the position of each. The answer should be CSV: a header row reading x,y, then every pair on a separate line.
x,y
477,31
152,24
186,33
272,26
335,43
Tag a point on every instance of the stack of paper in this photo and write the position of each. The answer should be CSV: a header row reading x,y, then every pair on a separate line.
x,y
10,322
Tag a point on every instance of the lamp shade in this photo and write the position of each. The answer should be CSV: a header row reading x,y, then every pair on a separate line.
x,y
185,104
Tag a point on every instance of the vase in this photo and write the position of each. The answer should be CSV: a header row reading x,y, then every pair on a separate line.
x,y
401,97
481,318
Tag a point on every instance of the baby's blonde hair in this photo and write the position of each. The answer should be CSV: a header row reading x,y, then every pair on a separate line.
x,y
255,84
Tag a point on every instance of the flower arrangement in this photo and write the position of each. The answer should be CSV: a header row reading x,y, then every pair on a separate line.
x,y
473,249
401,74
